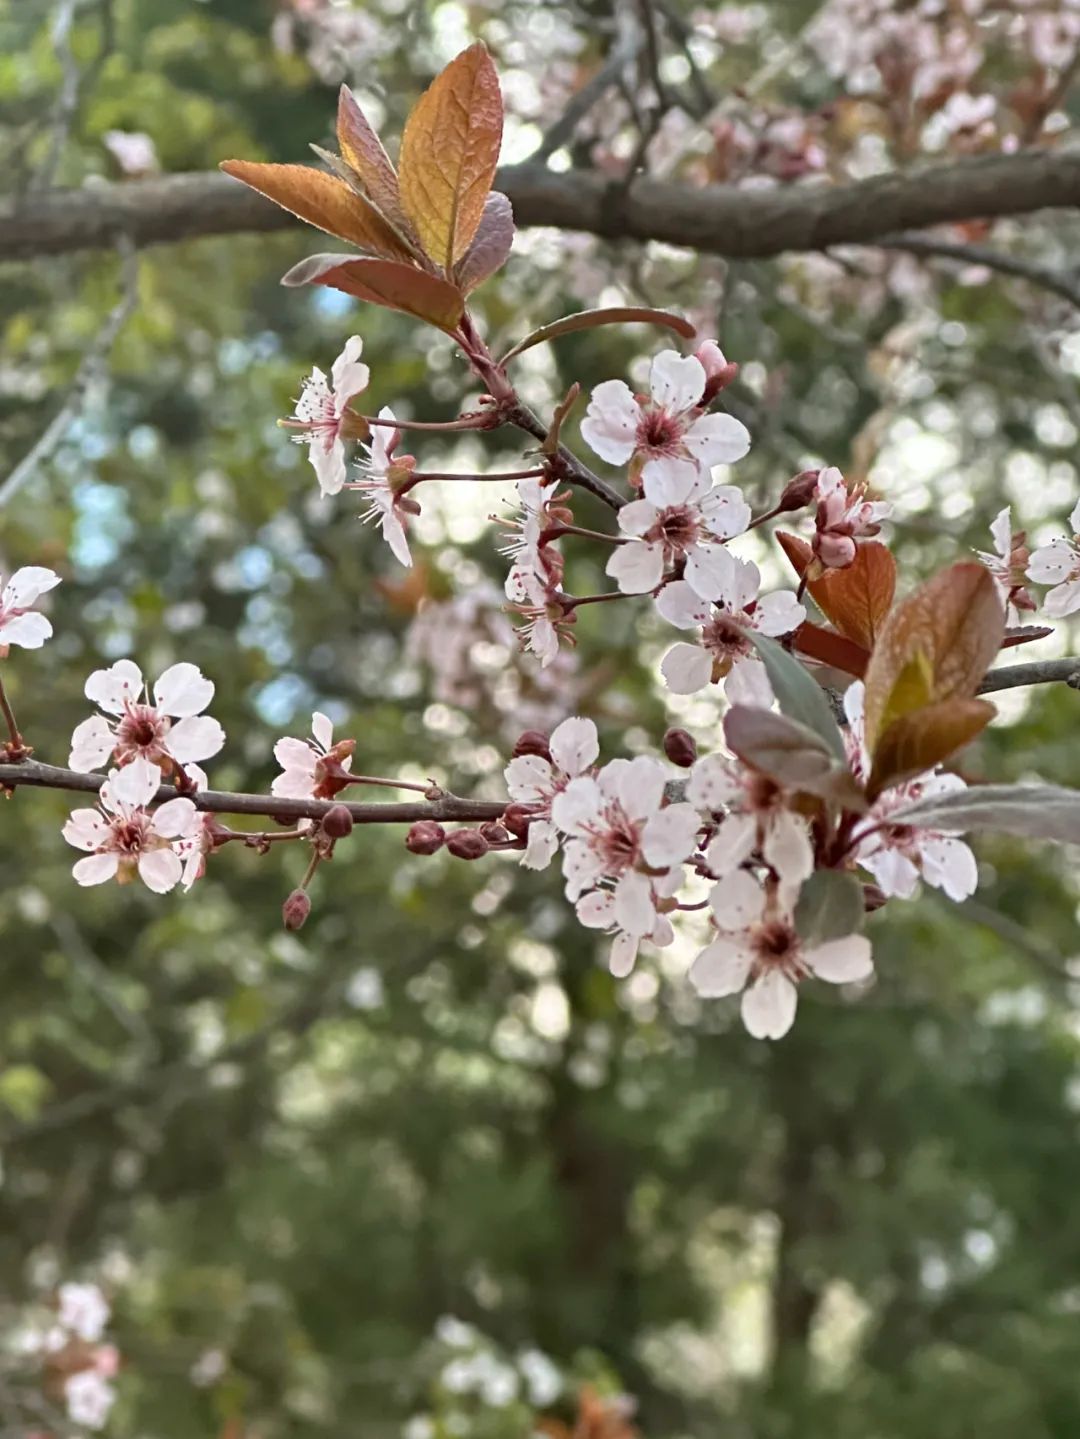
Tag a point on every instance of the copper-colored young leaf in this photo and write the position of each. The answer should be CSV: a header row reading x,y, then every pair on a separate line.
x,y
590,319
831,648
856,599
382,282
362,149
1025,635
916,742
449,150
491,244
790,753
935,645
323,201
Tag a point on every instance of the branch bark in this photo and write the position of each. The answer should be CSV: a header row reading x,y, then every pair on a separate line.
x,y
718,219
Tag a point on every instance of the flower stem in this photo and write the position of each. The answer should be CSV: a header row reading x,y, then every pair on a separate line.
x,y
16,750
571,603
420,475
486,421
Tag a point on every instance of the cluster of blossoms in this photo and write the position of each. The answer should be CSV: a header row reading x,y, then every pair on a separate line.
x,y
76,1362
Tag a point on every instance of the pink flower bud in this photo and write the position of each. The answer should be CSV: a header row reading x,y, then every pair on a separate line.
x,y
719,371
799,492
426,836
516,819
337,822
532,742
467,844
680,748
836,552
493,832
295,910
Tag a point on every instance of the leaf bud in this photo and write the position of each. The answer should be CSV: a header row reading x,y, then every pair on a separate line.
x,y
680,748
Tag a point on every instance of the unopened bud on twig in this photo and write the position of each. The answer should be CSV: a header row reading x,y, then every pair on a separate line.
x,y
337,822
295,910
719,370
516,819
467,844
798,493
493,832
680,748
426,836
532,742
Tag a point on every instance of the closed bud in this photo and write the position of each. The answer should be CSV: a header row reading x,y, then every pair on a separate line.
x,y
516,819
719,371
295,910
493,832
426,836
680,748
798,492
337,822
532,742
467,844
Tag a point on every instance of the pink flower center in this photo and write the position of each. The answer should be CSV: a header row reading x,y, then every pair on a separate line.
x,y
141,734
618,840
776,946
659,433
131,834
677,529
725,637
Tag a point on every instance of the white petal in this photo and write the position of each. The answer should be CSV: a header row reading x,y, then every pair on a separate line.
x,y
596,910
641,786
29,631
541,846
778,613
669,482
574,745
295,754
610,424
578,805
293,784
676,382
634,910
322,730
624,950
686,669
1052,563
393,532
768,1006
748,683
528,778
110,688
737,901
1074,518
717,439
725,511
670,836
86,829
136,784
175,818
681,606
893,871
199,737
183,690
787,847
160,870
722,968
1065,600
732,844
27,585
91,744
708,570
582,867
1001,533
96,868
949,865
662,933
712,784
637,568
347,375
841,961
328,462
637,518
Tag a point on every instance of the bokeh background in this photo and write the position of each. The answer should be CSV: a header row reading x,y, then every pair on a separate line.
x,y
425,1169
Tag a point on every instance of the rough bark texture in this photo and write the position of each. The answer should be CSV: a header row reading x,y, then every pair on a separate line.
x,y
718,219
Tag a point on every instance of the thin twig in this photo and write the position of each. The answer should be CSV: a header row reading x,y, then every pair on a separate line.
x,y
67,98
90,367
1036,672
931,247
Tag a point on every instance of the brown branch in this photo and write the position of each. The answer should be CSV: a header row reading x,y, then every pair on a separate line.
x,y
718,219
1037,672
448,807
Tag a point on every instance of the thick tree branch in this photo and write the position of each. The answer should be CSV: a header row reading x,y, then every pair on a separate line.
x,y
718,219
1037,672
448,807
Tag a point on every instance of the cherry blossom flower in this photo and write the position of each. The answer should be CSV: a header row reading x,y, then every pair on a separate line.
x,y
320,414
844,514
682,519
20,624
83,1309
89,1398
124,837
535,781
621,834
530,559
315,768
543,615
757,820
898,855
1057,564
726,617
619,426
596,910
1007,565
172,731
759,953
381,475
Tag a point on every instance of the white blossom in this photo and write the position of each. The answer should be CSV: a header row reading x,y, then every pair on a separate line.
x,y
171,730
756,820
83,1309
89,1397
378,474
20,624
1057,564
535,781
303,761
123,836
320,411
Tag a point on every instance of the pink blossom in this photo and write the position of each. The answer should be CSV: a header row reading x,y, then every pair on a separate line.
x,y
760,954
382,474
315,768
172,731
622,838
756,820
535,781
1007,565
19,623
620,426
320,414
124,836
844,514
681,520
1057,564
727,616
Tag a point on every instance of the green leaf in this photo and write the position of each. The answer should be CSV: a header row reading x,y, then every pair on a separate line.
x,y
591,319
1032,811
790,753
830,906
799,696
